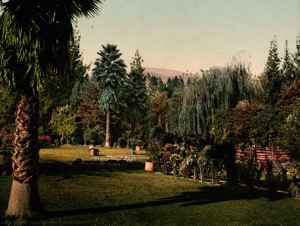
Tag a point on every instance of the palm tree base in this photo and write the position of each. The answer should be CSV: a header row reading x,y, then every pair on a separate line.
x,y
107,144
24,201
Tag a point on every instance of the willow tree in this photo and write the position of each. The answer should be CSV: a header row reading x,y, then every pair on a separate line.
x,y
110,71
33,35
175,103
216,89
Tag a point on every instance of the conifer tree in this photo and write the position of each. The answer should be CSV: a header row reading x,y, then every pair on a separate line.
x,y
297,58
272,78
136,93
288,68
154,85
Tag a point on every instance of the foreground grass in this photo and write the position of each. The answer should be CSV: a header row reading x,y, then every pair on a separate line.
x,y
111,194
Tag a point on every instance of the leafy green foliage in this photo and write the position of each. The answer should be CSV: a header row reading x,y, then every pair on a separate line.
x,y
264,126
240,120
93,134
220,131
289,106
63,122
88,111
159,110
290,128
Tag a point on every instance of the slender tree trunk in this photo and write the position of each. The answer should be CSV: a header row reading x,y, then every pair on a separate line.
x,y
107,132
24,198
159,121
132,128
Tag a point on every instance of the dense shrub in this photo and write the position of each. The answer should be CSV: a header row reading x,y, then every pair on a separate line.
x,y
91,134
122,142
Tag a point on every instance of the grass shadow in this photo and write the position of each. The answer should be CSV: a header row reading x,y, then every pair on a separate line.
x,y
66,170
205,195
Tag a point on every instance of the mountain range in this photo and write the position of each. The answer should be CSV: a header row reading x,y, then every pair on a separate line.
x,y
163,73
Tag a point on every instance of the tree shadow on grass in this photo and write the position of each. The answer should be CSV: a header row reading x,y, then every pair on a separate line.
x,y
205,195
57,168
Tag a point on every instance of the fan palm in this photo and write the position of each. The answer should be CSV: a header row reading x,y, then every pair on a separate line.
x,y
110,71
33,33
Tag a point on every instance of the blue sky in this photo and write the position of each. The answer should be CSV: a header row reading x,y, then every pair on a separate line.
x,y
189,35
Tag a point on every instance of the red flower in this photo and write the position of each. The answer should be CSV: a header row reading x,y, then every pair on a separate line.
x,y
167,154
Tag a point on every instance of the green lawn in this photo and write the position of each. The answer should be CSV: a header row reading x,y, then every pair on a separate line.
x,y
110,194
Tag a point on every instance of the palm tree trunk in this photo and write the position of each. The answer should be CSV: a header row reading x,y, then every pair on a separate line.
x,y
107,132
24,198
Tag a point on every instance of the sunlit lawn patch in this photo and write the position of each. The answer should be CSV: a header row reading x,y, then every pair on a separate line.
x,y
68,153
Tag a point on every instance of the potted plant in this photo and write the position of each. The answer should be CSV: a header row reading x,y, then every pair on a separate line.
x,y
154,152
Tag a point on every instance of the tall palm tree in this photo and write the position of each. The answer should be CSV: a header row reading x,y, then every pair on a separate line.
x,y
110,71
33,33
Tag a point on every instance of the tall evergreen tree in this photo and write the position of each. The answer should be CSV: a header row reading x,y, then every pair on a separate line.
x,y
110,71
288,68
297,58
154,85
136,93
272,78
33,34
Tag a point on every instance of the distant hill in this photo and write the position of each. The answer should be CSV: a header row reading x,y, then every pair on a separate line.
x,y
162,72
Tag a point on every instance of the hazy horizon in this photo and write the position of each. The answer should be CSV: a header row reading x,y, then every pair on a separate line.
x,y
192,35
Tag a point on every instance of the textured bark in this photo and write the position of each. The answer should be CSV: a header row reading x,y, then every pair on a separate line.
x,y
24,199
107,132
